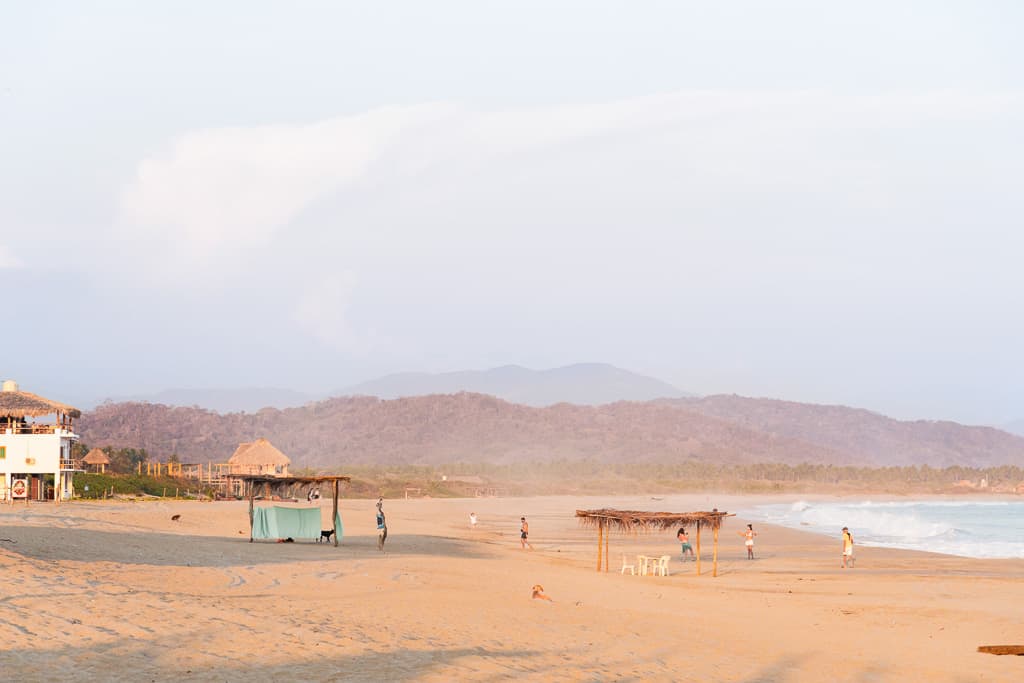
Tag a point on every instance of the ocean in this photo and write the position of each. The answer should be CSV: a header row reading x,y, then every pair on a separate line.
x,y
992,529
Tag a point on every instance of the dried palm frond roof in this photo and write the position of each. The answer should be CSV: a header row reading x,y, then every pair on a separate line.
x,y
634,520
96,457
287,487
23,404
259,452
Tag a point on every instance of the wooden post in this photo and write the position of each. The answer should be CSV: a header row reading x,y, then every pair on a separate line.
x,y
334,512
600,540
714,570
607,536
698,548
252,493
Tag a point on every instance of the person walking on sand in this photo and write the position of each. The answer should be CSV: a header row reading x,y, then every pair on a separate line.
x,y
684,540
524,534
748,540
382,525
847,548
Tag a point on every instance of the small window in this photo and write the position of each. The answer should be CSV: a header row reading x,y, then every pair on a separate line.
x,y
30,461
3,452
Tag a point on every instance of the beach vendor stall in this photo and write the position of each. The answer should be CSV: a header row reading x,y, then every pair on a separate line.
x,y
633,521
290,507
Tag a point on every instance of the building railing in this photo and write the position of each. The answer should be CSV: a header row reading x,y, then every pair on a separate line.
x,y
31,429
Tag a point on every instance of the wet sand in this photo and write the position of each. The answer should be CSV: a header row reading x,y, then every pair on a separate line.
x,y
119,591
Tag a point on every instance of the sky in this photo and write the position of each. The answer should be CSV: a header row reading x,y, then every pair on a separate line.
x,y
801,200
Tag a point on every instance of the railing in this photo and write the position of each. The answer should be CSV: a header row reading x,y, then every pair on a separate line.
x,y
66,465
32,429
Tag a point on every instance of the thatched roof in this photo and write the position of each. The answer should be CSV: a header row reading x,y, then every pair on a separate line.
x,y
96,457
288,487
633,520
23,404
259,452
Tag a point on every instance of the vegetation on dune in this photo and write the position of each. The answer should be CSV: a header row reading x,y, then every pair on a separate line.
x,y
98,485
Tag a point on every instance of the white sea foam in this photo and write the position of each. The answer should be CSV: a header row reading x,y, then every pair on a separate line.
x,y
965,528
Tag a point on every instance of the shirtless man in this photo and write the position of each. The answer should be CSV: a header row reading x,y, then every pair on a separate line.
x,y
524,533
684,540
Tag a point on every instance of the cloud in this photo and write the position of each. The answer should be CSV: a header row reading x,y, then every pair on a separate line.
x,y
725,190
322,310
8,259
218,190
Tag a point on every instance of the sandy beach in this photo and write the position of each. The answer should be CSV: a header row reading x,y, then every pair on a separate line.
x,y
118,591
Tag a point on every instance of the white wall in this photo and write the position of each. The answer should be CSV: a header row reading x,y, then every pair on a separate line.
x,y
44,450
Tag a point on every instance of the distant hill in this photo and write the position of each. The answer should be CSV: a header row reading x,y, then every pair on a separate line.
x,y
225,400
477,428
580,384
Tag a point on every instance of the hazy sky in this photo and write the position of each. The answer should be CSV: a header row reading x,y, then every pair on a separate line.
x,y
813,201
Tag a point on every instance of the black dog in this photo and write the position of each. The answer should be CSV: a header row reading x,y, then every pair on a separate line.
x,y
325,535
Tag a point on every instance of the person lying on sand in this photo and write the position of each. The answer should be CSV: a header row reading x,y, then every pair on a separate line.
x,y
538,593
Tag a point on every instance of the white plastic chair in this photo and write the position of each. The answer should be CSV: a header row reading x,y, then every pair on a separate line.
x,y
660,565
630,567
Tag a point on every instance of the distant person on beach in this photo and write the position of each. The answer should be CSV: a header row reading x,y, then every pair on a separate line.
x,y
524,533
684,540
847,548
472,520
382,525
748,540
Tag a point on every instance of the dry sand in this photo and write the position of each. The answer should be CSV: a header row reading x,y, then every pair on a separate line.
x,y
118,591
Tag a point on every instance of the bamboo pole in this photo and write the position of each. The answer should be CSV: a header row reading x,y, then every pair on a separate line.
x,y
600,539
714,571
252,493
698,548
606,538
334,513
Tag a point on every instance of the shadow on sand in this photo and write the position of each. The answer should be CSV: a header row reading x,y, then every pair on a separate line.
x,y
119,661
161,549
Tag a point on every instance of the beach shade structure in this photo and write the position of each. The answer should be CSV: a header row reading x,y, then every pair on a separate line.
x,y
294,522
97,460
633,521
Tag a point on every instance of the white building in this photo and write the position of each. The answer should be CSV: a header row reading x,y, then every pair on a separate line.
x,y
35,454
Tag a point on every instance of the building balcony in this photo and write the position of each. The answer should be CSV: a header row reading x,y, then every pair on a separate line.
x,y
34,429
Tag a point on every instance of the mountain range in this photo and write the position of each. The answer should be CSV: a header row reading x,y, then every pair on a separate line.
x,y
582,384
468,427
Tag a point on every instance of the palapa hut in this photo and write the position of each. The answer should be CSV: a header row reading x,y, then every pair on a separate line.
x,y
633,521
259,457
97,460
279,522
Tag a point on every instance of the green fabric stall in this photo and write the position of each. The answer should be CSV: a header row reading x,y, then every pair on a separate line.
x,y
280,522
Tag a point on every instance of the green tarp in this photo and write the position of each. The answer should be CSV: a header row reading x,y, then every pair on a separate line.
x,y
279,522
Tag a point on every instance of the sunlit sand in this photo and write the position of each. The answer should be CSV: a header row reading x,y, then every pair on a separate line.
x,y
119,591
